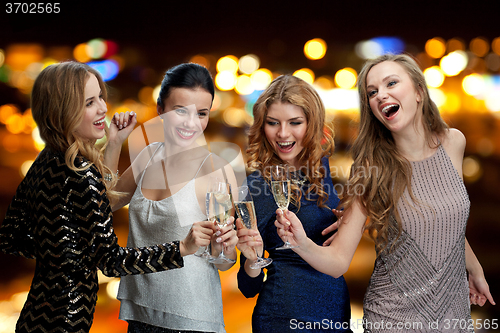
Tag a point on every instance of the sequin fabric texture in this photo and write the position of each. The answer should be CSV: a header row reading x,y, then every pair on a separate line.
x,y
63,220
421,286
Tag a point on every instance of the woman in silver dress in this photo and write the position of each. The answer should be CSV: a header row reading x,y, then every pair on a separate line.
x,y
166,187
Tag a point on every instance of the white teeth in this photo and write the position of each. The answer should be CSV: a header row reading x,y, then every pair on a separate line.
x,y
387,108
184,133
99,122
284,144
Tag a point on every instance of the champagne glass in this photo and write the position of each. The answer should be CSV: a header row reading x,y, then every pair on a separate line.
x,y
219,205
280,186
246,212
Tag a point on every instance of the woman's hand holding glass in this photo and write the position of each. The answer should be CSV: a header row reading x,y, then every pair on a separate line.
x,y
247,228
290,228
280,186
199,235
219,207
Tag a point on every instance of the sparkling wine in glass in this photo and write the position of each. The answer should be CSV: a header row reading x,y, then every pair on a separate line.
x,y
280,186
246,212
219,205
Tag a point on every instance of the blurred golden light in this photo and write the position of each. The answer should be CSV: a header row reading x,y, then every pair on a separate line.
x,y
226,99
453,63
435,47
434,76
216,102
25,167
492,61
6,111
47,62
471,169
261,78
234,117
225,80
21,80
19,56
80,53
492,102
437,96
2,57
228,63
244,85
249,63
479,46
37,139
305,74
473,84
11,143
453,103
17,300
146,96
346,78
485,147
96,48
15,124
200,60
315,49
340,99
29,122
495,45
112,288
156,93
324,82
455,44
32,70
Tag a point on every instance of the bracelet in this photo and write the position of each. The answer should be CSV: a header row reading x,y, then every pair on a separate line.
x,y
108,177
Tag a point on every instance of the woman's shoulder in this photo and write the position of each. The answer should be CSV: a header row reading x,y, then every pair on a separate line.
x,y
453,142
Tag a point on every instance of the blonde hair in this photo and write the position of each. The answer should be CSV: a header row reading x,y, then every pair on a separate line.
x,y
318,140
58,108
375,147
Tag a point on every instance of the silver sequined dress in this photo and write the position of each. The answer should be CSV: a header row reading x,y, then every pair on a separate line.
x,y
421,286
190,300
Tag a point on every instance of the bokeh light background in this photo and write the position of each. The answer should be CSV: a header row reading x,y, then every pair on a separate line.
x,y
245,45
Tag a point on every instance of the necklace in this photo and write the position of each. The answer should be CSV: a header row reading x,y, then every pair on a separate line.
x,y
297,178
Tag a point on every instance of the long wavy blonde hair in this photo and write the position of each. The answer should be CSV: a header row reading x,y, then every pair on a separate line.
x,y
58,108
375,149
317,143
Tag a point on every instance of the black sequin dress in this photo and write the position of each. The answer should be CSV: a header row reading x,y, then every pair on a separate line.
x,y
63,219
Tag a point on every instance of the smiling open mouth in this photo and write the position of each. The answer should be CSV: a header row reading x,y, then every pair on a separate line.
x,y
185,134
390,110
286,146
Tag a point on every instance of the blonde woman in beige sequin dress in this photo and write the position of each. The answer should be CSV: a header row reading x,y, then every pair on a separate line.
x,y
407,180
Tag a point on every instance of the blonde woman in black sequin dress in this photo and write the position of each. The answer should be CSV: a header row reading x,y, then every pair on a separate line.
x,y
407,180
61,214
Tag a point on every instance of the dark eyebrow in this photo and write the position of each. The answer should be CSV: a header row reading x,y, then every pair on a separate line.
x,y
296,118
89,99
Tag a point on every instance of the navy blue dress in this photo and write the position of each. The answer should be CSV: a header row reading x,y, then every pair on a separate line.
x,y
295,296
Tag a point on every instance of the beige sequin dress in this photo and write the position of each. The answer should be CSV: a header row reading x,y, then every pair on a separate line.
x,y
421,286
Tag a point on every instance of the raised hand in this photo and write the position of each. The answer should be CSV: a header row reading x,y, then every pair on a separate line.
x,y
122,124
227,236
248,240
289,226
200,234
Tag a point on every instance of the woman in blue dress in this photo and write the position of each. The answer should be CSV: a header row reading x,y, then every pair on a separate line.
x,y
289,129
